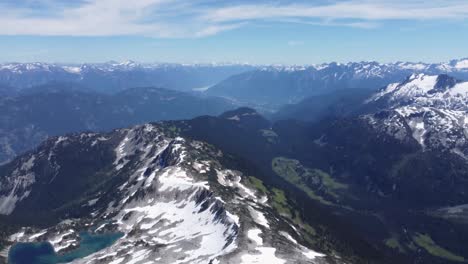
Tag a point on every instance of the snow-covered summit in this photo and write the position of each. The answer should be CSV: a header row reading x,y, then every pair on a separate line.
x,y
77,68
170,197
376,68
20,68
370,67
432,109
427,90
114,76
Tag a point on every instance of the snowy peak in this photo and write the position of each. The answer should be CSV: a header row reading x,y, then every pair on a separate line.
x,y
276,85
431,109
373,68
426,90
115,76
127,65
461,64
20,68
170,197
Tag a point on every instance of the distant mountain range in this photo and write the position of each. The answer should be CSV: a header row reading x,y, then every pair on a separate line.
x,y
275,86
113,76
263,87
55,109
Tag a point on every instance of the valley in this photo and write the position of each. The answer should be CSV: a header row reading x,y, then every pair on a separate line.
x,y
372,176
233,132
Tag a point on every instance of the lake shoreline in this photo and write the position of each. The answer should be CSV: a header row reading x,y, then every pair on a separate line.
x,y
43,252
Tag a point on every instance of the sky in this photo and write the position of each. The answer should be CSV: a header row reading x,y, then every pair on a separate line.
x,y
240,31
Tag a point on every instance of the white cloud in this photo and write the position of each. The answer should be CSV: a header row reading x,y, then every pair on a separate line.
x,y
190,18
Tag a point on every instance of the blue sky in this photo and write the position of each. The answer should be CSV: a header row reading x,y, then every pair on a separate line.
x,y
289,32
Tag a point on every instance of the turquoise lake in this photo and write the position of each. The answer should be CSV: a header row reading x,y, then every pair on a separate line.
x,y
43,253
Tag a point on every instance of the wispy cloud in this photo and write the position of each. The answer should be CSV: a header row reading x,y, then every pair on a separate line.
x,y
192,18
215,29
294,43
158,18
333,23
362,10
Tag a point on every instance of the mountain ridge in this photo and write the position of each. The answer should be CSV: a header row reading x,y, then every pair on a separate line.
x,y
36,113
113,77
273,86
432,109
163,192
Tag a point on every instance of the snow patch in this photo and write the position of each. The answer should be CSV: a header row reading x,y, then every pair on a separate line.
x,y
259,217
267,255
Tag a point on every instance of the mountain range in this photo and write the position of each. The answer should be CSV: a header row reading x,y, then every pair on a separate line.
x,y
171,199
367,163
396,178
34,114
275,86
113,77
430,109
258,85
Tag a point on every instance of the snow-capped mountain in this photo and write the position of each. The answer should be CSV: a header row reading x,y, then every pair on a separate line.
x,y
372,68
338,187
432,109
427,90
115,76
285,84
171,198
278,85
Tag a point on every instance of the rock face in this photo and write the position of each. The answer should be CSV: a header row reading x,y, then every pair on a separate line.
x,y
172,199
430,109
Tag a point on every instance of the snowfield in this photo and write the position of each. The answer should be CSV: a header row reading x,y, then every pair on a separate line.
x,y
169,211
